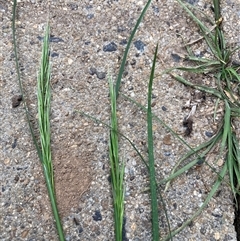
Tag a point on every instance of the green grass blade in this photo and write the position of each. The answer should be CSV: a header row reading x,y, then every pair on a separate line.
x,y
226,126
20,82
47,170
153,186
117,169
44,98
119,133
121,70
198,87
204,28
205,203
207,146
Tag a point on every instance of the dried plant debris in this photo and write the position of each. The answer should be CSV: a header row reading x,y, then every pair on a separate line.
x,y
188,124
16,100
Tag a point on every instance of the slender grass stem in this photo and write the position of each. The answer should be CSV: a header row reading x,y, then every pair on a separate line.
x,y
121,70
153,185
117,169
44,97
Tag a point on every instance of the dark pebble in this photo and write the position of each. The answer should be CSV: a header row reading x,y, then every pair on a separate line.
x,y
130,88
89,7
139,45
16,100
73,6
208,134
200,161
191,224
123,42
203,230
132,178
125,73
133,62
167,153
121,29
97,216
131,124
16,178
154,96
164,108
155,9
101,75
54,54
14,143
76,221
92,71
55,39
87,42
90,16
217,215
80,230
176,58
110,47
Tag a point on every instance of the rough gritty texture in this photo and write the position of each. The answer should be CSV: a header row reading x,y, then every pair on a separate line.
x,y
88,39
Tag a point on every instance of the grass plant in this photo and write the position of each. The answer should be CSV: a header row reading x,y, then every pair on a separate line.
x,y
44,99
116,168
224,72
222,69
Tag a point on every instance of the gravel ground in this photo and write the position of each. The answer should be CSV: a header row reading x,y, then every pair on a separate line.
x,y
88,39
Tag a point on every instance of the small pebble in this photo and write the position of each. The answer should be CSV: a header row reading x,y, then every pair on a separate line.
x,y
16,100
167,153
90,15
92,71
54,54
14,143
73,6
97,216
123,42
139,45
164,108
155,9
208,134
110,47
101,75
176,58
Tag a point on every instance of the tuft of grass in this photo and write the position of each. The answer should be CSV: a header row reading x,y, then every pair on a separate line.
x,y
221,66
117,169
44,99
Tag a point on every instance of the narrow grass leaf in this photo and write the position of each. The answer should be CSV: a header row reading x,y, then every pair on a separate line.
x,y
44,98
121,70
117,169
153,186
205,203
